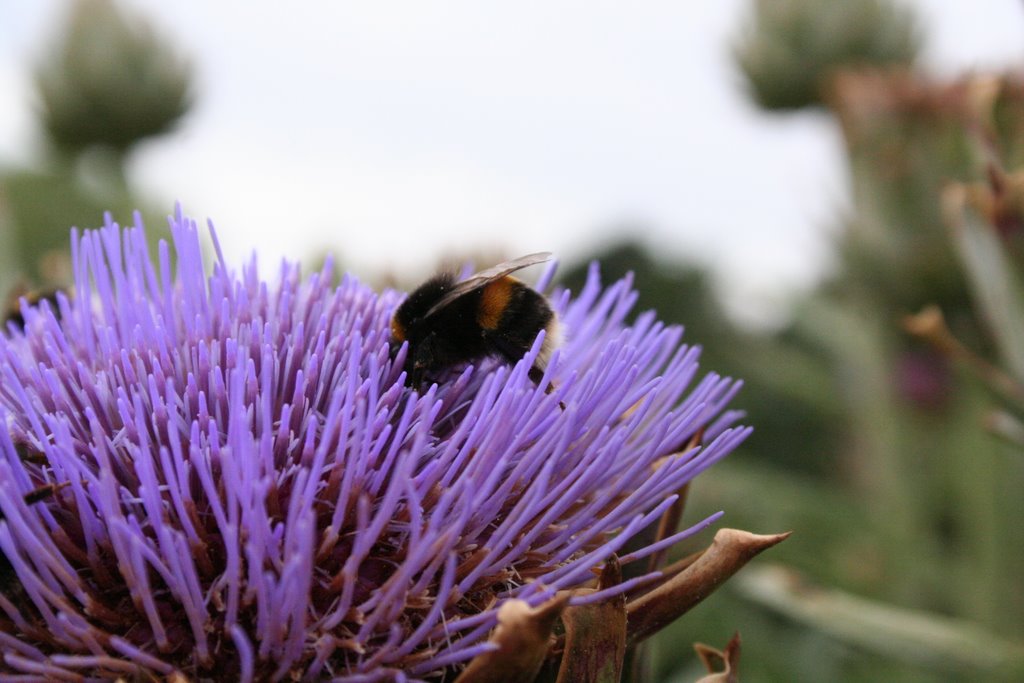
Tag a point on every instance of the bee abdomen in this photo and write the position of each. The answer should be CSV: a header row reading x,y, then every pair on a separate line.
x,y
495,299
514,313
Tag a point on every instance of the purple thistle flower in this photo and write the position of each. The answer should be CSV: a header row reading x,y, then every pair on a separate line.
x,y
247,490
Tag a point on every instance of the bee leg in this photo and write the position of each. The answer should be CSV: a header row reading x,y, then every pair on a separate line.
x,y
421,358
536,375
29,456
44,492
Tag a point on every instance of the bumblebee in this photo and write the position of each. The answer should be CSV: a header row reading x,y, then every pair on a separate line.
x,y
13,313
489,314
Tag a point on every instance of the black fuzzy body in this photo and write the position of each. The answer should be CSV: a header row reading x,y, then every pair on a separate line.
x,y
453,335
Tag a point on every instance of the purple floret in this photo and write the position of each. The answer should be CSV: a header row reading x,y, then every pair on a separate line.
x,y
250,491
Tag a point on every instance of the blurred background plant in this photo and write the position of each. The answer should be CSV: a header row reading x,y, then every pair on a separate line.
x,y
893,451
870,442
107,84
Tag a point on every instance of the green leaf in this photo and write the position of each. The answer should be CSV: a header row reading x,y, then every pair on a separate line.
x,y
995,283
924,638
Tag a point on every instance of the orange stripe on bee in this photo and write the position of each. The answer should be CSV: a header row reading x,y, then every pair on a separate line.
x,y
494,299
397,331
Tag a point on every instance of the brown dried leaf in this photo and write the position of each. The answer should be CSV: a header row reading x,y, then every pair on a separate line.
x,y
729,659
523,636
595,635
728,552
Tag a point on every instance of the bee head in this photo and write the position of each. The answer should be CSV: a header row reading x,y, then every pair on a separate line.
x,y
408,321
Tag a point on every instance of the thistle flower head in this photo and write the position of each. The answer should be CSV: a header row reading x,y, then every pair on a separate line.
x,y
246,489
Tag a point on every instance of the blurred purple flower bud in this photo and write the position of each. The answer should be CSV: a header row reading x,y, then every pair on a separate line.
x,y
923,379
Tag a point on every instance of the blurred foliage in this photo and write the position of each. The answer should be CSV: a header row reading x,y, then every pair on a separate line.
x,y
107,84
948,494
870,443
902,503
791,48
111,83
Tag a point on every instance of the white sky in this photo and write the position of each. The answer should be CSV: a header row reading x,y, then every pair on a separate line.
x,y
397,132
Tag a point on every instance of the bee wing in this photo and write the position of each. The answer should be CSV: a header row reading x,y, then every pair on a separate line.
x,y
478,280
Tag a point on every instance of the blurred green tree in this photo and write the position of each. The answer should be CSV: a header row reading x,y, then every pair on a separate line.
x,y
108,84
790,49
